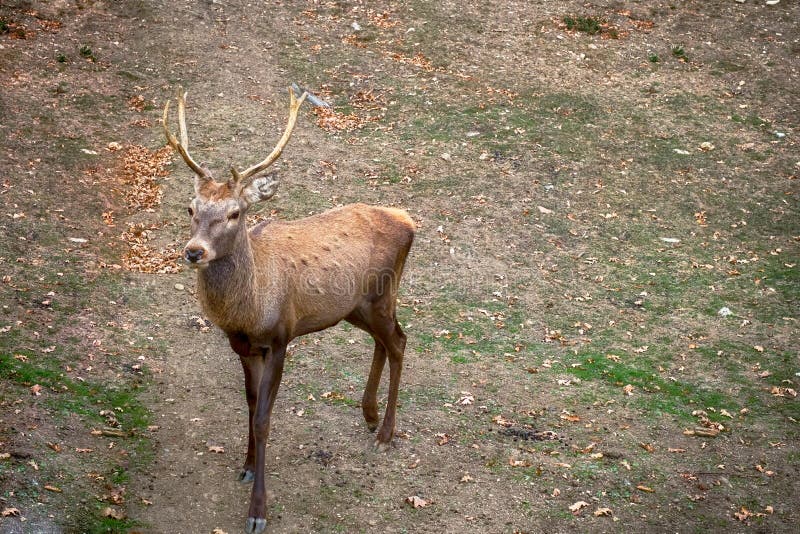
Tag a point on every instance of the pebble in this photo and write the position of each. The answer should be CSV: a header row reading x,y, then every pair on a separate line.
x,y
179,287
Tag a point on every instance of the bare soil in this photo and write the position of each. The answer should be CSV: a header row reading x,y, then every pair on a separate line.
x,y
564,348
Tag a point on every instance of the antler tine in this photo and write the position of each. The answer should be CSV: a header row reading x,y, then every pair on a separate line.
x,y
294,107
183,146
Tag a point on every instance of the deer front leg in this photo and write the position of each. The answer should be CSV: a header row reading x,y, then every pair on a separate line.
x,y
267,391
252,365
252,359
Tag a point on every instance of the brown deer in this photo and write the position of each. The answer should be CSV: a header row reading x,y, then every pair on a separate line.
x,y
266,285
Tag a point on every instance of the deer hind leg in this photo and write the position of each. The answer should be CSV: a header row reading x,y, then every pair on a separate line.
x,y
369,401
394,340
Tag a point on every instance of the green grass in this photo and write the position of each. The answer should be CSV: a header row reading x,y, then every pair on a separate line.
x,y
590,25
652,392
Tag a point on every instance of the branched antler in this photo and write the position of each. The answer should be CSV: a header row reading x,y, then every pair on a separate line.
x,y
294,106
183,146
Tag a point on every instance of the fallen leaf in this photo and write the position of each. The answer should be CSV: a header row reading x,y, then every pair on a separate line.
x,y
743,514
570,417
500,420
466,398
576,507
54,489
675,450
113,513
466,479
603,512
443,439
518,463
5,455
10,512
556,492
647,446
216,448
646,489
417,502
628,389
218,531
413,464
36,390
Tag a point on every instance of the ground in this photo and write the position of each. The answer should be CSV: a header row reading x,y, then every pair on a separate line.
x,y
601,301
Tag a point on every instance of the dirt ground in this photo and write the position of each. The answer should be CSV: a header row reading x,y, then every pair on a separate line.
x,y
593,184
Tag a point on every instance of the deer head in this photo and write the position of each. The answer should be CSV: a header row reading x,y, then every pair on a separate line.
x,y
219,208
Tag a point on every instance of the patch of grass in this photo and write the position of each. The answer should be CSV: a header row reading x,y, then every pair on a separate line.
x,y
752,120
654,393
679,53
590,25
86,52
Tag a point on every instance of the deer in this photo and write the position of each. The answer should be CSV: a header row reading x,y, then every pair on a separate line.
x,y
266,285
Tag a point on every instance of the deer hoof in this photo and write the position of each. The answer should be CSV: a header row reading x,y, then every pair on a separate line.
x,y
246,476
255,525
381,446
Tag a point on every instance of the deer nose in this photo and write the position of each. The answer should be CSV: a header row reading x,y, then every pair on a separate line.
x,y
193,255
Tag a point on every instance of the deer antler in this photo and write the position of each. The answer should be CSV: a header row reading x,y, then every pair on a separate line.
x,y
294,107
183,146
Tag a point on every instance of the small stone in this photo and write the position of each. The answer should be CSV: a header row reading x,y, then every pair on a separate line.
x,y
179,287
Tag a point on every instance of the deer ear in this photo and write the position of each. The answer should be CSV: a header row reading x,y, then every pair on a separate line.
x,y
260,189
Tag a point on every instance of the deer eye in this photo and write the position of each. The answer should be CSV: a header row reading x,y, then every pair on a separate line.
x,y
233,215
190,211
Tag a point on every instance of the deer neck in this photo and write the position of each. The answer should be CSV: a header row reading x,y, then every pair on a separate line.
x,y
227,290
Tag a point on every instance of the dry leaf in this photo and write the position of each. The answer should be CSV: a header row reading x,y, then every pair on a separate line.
x,y
647,446
576,507
628,389
646,489
218,531
466,399
417,502
443,439
518,463
54,489
36,390
743,514
216,448
556,492
570,417
466,479
10,512
603,512
113,513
